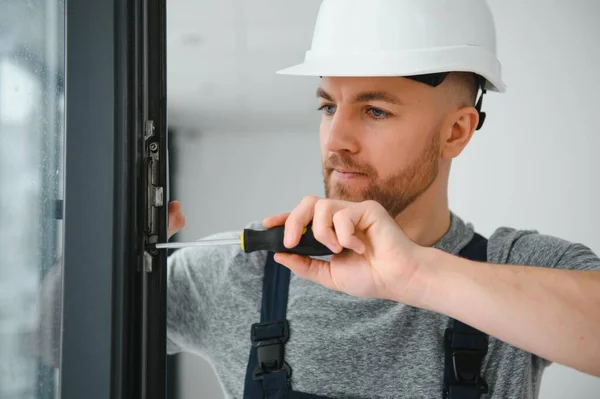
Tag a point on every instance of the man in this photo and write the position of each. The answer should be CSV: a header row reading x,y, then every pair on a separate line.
x,y
413,303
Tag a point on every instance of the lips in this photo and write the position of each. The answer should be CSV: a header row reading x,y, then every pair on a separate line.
x,y
348,171
347,174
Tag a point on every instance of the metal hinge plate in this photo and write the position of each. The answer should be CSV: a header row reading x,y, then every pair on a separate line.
x,y
154,194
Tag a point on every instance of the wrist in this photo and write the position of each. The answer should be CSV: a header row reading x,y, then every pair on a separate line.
x,y
449,279
429,266
420,289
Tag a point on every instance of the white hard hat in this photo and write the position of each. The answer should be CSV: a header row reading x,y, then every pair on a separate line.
x,y
403,38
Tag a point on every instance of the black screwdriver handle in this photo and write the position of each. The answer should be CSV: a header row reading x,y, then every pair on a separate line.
x,y
272,240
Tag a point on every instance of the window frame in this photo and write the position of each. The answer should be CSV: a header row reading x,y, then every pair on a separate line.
x,y
114,309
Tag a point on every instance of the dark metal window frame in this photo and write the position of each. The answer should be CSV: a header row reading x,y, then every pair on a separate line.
x,y
114,338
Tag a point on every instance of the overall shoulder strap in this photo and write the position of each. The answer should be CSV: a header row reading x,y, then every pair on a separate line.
x,y
465,347
476,249
267,374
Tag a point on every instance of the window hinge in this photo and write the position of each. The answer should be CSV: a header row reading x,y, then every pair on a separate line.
x,y
154,193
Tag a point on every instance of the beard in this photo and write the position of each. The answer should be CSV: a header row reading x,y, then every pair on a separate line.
x,y
395,193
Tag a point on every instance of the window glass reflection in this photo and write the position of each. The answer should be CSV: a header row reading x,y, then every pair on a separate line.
x,y
31,191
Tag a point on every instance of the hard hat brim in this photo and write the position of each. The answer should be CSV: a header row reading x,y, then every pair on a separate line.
x,y
408,63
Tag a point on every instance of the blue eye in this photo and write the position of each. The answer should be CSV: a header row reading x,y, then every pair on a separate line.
x,y
327,109
376,113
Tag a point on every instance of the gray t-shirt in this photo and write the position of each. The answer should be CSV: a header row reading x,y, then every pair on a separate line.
x,y
341,346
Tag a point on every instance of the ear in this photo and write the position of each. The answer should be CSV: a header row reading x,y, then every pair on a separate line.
x,y
460,128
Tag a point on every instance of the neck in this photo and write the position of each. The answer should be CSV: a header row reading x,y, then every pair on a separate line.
x,y
427,219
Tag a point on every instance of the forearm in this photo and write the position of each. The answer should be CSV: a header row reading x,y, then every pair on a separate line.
x,y
552,313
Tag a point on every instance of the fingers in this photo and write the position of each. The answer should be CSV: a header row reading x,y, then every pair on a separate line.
x,y
310,209
275,220
335,223
323,224
345,230
299,218
174,207
176,219
352,224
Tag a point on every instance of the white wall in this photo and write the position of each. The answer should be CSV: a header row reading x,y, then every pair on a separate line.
x,y
534,165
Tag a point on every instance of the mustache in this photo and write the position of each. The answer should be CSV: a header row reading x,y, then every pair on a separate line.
x,y
337,161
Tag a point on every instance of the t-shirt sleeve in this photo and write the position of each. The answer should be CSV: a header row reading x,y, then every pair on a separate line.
x,y
578,257
195,277
187,304
529,247
200,281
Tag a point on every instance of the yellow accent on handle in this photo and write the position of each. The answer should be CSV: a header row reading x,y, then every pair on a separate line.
x,y
304,231
242,241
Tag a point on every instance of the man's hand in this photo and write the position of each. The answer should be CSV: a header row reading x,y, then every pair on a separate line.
x,y
372,255
549,312
176,219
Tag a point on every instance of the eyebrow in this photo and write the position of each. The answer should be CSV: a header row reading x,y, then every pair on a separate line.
x,y
364,97
323,94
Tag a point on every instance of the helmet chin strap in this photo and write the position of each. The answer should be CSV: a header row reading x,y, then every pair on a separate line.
x,y
478,108
479,103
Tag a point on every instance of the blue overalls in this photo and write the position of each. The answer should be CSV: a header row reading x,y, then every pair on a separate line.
x,y
268,375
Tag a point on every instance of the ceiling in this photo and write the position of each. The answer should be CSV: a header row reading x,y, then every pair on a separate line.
x,y
221,62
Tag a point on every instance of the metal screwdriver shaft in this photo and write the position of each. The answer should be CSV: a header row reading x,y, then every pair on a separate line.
x,y
257,240
200,243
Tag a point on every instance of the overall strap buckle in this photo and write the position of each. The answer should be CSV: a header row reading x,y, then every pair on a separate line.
x,y
269,339
465,352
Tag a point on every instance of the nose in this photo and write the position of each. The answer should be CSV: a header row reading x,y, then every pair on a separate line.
x,y
340,134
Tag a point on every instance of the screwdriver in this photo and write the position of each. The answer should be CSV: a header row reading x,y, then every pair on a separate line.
x,y
257,240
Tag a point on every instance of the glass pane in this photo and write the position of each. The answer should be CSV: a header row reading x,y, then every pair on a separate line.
x,y
31,191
